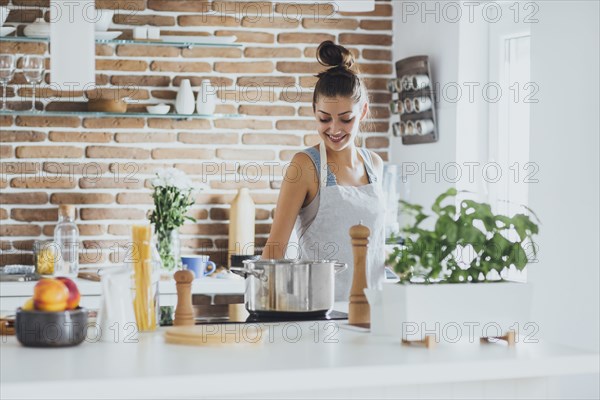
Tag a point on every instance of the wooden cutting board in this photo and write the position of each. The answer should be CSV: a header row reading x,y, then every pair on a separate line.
x,y
216,335
7,326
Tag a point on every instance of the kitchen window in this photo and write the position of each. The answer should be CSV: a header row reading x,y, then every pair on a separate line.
x,y
509,125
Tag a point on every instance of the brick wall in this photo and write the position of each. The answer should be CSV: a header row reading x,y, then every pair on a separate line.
x,y
103,165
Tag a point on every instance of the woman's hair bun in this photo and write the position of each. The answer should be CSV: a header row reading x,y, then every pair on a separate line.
x,y
332,55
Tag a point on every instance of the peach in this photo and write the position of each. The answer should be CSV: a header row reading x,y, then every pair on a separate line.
x,y
50,295
74,296
28,306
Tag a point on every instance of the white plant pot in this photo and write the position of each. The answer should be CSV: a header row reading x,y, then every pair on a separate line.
x,y
451,312
184,102
207,98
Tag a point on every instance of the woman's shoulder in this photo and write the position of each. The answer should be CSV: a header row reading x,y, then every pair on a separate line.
x,y
307,157
307,161
377,162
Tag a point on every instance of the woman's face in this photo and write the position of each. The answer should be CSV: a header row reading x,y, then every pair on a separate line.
x,y
338,120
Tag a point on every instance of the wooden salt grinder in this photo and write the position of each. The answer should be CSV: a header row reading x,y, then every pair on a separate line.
x,y
359,313
184,312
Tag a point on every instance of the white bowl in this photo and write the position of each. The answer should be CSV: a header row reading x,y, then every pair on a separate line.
x,y
3,15
104,19
39,29
108,35
158,109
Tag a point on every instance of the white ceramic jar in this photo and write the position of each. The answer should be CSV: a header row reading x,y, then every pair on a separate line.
x,y
184,103
207,98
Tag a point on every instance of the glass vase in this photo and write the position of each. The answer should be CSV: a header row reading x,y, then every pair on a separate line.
x,y
169,248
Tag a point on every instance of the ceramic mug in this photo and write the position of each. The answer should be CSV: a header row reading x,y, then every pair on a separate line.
x,y
198,265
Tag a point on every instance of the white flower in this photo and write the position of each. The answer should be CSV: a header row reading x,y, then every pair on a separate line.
x,y
172,177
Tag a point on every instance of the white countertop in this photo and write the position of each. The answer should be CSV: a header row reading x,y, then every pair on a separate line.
x,y
349,358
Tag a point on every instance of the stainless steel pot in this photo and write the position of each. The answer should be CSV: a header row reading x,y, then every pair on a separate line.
x,y
290,286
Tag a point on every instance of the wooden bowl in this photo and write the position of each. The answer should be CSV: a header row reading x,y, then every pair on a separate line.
x,y
107,105
51,329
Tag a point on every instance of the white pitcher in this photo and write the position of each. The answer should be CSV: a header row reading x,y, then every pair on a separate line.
x,y
116,318
207,98
184,103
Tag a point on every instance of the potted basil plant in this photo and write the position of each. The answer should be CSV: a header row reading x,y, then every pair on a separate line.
x,y
452,271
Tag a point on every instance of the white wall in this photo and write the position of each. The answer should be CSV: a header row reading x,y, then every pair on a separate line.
x,y
457,50
440,42
472,109
564,143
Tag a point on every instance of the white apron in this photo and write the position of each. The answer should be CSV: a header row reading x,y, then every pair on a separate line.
x,y
328,236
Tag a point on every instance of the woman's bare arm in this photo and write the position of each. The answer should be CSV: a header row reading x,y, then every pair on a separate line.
x,y
293,192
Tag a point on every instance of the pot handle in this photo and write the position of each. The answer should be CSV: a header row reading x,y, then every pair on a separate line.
x,y
339,267
259,274
239,271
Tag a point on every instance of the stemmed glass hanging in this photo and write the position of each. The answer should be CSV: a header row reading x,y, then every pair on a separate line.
x,y
7,71
33,68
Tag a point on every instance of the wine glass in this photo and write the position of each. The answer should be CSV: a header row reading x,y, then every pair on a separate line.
x,y
7,71
33,67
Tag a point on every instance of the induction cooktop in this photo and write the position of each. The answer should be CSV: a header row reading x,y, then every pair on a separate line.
x,y
269,317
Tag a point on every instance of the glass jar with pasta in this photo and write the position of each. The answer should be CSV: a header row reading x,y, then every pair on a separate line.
x,y
45,254
145,263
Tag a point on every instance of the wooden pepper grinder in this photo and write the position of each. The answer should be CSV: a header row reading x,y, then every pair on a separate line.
x,y
184,312
359,313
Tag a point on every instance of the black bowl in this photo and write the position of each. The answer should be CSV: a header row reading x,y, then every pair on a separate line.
x,y
51,329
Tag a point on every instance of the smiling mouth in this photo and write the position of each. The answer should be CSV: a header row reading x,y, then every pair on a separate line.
x,y
337,139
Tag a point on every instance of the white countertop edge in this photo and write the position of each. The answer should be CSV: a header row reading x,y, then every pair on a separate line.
x,y
90,288
273,381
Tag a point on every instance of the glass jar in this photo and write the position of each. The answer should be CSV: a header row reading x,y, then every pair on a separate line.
x,y
146,265
45,256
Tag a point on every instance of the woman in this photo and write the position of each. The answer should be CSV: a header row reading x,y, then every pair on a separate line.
x,y
334,185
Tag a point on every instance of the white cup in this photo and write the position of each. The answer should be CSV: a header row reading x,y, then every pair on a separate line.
x,y
398,83
419,81
422,104
406,83
396,129
408,105
391,85
402,126
424,126
153,33
410,128
140,32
